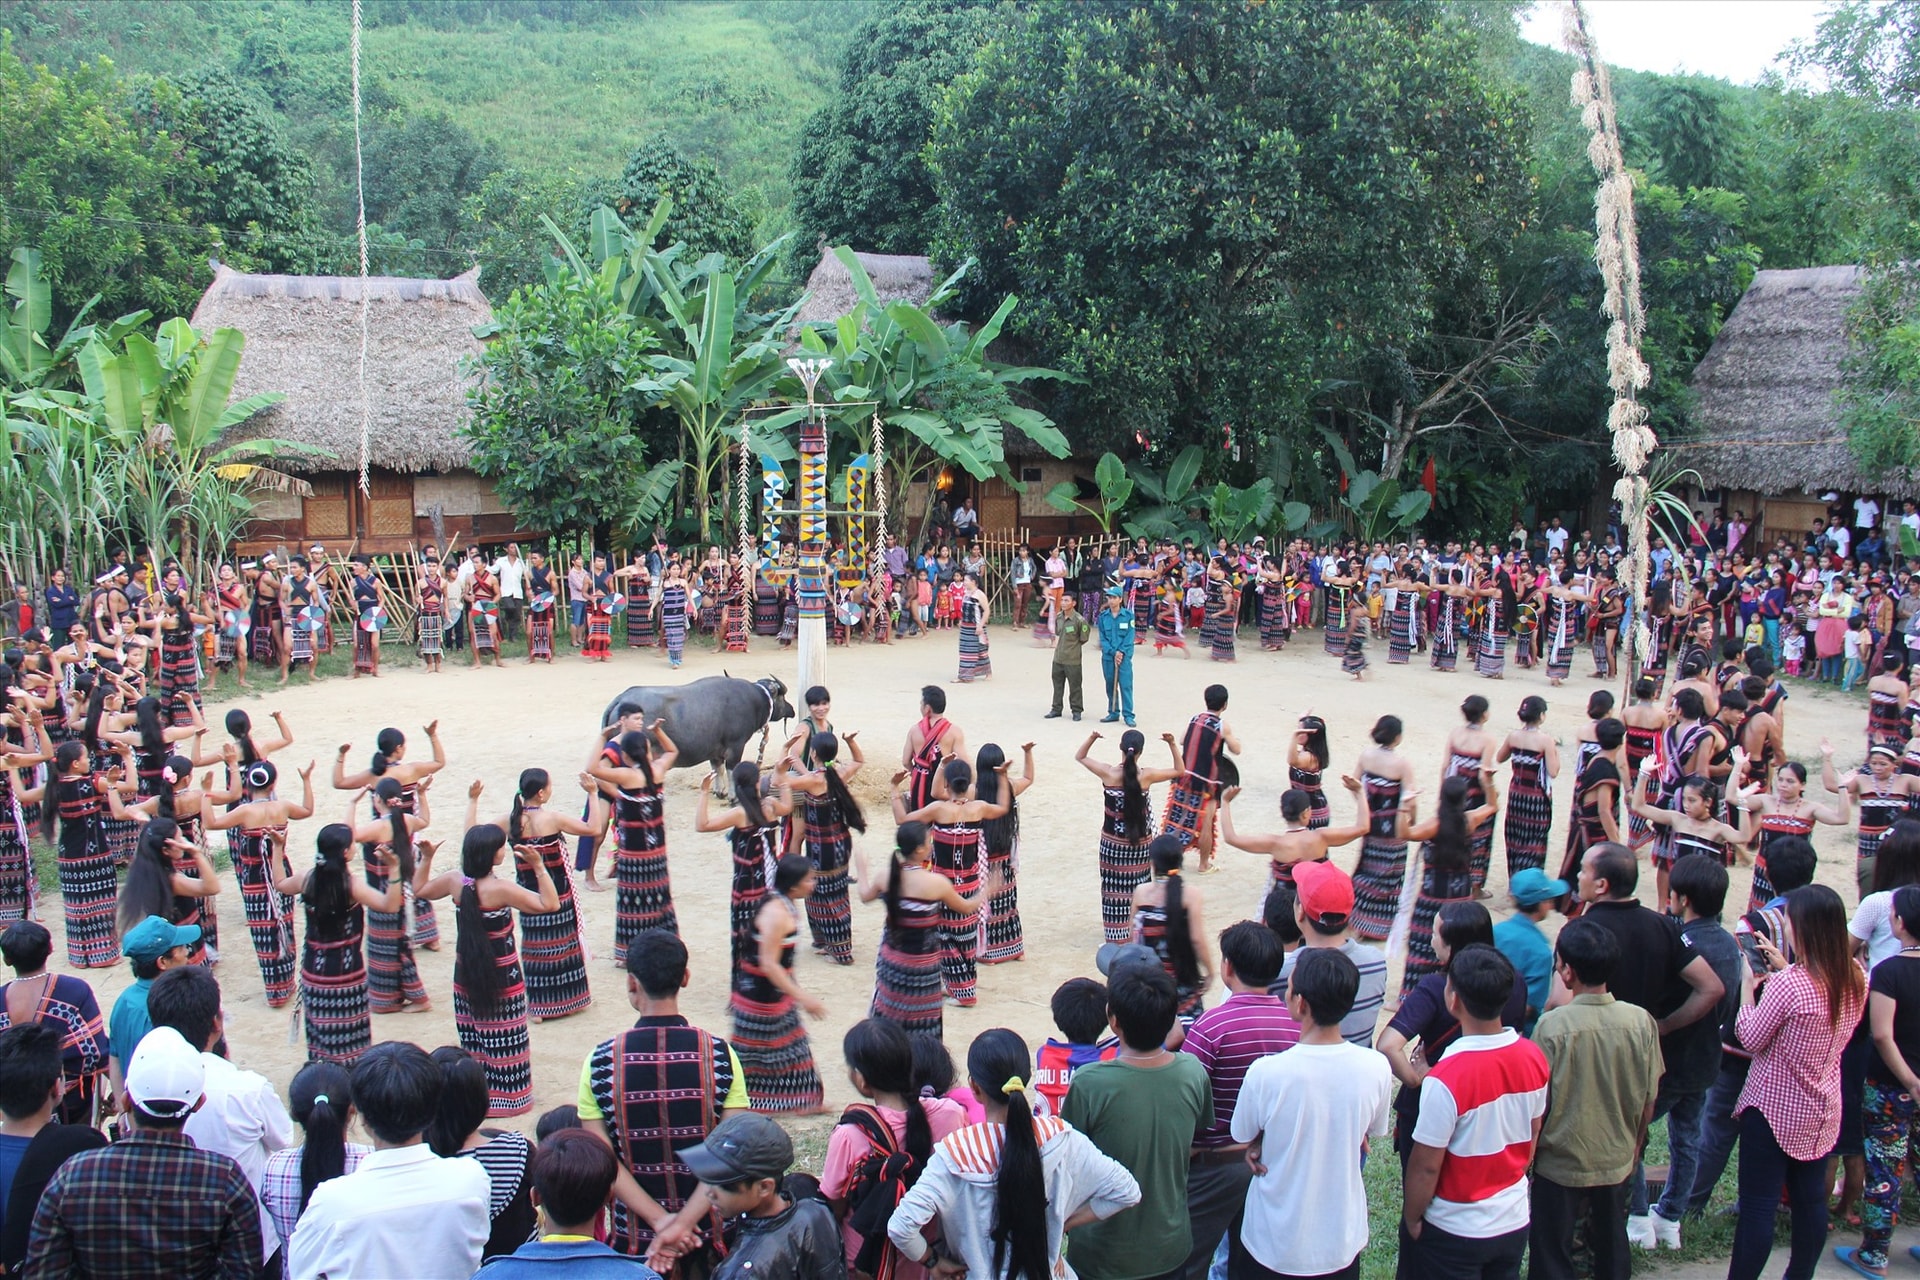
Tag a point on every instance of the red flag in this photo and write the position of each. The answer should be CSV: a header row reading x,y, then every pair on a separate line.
x,y
1428,482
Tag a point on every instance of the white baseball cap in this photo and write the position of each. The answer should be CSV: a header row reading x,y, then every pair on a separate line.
x,y
166,1076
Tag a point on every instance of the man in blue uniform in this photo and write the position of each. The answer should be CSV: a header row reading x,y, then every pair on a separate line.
x,y
1116,656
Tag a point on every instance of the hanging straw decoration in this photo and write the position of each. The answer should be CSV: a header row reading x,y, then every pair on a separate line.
x,y
360,196
1617,252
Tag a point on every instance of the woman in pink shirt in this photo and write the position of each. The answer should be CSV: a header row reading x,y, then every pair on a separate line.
x,y
1789,1111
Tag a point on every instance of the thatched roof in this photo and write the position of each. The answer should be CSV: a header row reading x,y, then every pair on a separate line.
x,y
1764,395
303,338
895,276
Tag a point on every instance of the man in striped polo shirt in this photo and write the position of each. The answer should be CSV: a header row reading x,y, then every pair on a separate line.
x,y
1465,1215
1228,1039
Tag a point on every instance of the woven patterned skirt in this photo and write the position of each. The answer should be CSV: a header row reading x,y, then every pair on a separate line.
x,y
1437,889
17,884
88,892
226,649
198,911
1529,819
393,980
299,645
333,1000
733,623
975,662
1480,856
1221,643
748,894
640,626
1376,887
643,897
499,1041
1490,654
1186,813
270,921
1559,658
673,633
907,989
1273,618
1602,659
485,638
766,611
362,649
430,629
551,956
1354,661
599,633
540,634
1445,653
426,923
960,939
1004,940
122,838
829,914
179,679
1124,867
775,1055
1335,639
1166,627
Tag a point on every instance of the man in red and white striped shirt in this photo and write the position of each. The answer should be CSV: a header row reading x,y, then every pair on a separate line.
x,y
1465,1215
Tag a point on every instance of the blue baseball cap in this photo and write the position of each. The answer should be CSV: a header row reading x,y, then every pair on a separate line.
x,y
155,936
1531,886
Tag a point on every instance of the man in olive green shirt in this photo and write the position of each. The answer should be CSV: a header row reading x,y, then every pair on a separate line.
x,y
1605,1059
1073,629
1144,1109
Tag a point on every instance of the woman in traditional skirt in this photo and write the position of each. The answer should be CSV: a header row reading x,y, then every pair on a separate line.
x,y
390,761
1000,841
1126,827
1276,626
173,631
1168,917
1646,724
269,615
636,583
430,620
1469,754
1384,776
1694,828
831,816
1586,742
1490,653
158,884
19,886
1168,632
600,594
540,610
1299,842
1660,622
1561,637
1880,795
483,602
1354,663
152,746
231,609
258,862
735,603
1339,610
1786,812
756,834
393,979
975,662
1595,813
1403,636
550,946
643,893
87,885
333,971
766,605
1445,873
907,979
775,1055
956,855
1605,610
1223,606
1307,760
711,578
1446,625
489,991
1536,763
673,613
370,611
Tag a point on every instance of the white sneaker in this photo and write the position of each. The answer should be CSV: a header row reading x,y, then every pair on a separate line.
x,y
1640,1230
1665,1234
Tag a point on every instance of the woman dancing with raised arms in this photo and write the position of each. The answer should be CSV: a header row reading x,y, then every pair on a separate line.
x,y
1469,754
1786,812
754,828
390,761
956,855
489,990
1126,827
156,885
1536,763
1386,781
333,971
555,962
831,816
178,802
775,1054
1300,842
1446,874
1000,839
388,853
262,823
1693,827
907,985
1307,760
643,893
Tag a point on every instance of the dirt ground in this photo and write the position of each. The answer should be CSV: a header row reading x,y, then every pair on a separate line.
x,y
497,722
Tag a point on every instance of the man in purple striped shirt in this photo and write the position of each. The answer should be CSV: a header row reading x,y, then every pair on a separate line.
x,y
1227,1039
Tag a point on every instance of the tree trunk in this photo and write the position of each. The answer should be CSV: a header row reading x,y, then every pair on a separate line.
x,y
1399,441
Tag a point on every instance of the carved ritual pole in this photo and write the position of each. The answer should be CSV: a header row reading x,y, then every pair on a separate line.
x,y
810,578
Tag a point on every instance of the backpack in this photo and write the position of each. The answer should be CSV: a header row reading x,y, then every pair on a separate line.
x,y
874,1188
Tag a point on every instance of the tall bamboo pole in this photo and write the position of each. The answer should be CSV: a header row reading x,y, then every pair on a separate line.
x,y
1617,252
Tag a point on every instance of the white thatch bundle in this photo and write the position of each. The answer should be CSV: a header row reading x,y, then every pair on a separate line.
x,y
303,338
1764,402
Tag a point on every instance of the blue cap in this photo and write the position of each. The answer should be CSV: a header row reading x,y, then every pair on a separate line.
x,y
155,936
1531,886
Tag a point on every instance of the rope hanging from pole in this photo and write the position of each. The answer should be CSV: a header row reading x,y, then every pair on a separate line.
x,y
879,499
360,199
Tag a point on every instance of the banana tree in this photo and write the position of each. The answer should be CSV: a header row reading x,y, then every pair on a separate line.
x,y
28,361
1376,506
940,401
1112,488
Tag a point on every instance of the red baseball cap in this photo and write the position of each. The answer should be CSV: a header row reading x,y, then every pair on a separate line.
x,y
1324,890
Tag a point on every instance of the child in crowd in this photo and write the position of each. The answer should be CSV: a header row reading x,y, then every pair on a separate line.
x,y
741,1166
1080,1013
1793,643
923,599
933,1069
1855,648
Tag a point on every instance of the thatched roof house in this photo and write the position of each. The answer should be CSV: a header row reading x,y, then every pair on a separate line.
x,y
1764,395
895,276
303,339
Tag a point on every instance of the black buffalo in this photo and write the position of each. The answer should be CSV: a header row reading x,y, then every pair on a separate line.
x,y
710,720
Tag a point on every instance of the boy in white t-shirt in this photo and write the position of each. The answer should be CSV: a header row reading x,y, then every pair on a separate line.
x,y
1309,1113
